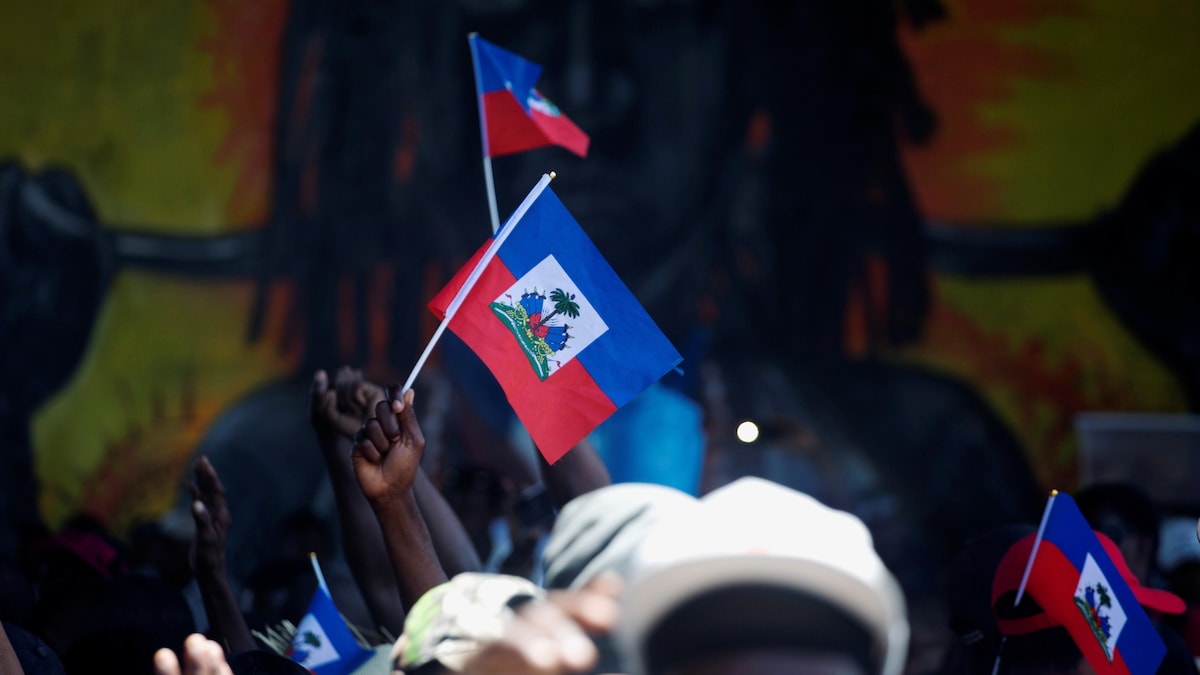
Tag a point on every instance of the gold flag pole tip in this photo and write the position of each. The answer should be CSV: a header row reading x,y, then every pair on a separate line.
x,y
553,175
1054,493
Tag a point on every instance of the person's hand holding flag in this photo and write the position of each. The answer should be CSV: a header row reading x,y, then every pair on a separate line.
x,y
388,449
387,456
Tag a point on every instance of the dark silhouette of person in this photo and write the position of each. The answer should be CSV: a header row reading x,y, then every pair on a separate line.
x,y
54,272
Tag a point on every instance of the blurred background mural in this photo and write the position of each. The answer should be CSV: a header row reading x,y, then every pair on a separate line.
x,y
911,239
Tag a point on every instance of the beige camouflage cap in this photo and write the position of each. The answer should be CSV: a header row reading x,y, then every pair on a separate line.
x,y
452,621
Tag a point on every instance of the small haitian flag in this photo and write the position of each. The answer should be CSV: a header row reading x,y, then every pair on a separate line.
x,y
516,117
1073,579
566,339
323,643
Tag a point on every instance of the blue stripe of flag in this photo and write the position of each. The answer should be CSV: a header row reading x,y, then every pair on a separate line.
x,y
500,69
633,353
1140,645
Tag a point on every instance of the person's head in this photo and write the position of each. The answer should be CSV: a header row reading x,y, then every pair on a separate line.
x,y
1179,557
968,591
450,623
83,550
156,550
769,661
303,533
600,531
761,578
259,662
1125,513
113,625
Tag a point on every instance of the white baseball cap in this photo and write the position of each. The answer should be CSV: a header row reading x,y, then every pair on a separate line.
x,y
756,564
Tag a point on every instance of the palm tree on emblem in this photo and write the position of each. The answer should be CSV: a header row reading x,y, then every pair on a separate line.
x,y
563,304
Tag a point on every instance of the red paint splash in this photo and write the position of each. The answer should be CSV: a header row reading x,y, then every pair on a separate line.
x,y
245,48
1043,391
961,65
131,475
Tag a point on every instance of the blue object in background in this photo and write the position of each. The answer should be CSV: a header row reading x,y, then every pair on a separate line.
x,y
657,437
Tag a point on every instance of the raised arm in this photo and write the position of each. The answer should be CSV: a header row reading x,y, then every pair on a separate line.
x,y
450,539
213,520
579,471
386,458
338,410
337,413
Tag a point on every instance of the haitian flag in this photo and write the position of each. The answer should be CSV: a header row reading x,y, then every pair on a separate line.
x,y
323,643
1073,579
562,334
515,115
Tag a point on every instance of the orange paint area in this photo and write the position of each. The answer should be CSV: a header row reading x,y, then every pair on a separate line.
x,y
1038,393
961,65
245,48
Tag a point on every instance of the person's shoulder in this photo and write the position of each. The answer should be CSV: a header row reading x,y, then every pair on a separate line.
x,y
36,657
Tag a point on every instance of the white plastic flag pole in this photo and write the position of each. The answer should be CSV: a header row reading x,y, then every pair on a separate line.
x,y
491,190
490,253
483,137
317,570
1037,542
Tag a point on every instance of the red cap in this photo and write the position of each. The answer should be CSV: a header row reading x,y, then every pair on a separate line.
x,y
1150,598
1032,618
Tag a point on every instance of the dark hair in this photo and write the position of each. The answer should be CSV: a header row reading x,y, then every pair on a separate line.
x,y
115,625
1132,509
264,663
750,616
968,584
1045,652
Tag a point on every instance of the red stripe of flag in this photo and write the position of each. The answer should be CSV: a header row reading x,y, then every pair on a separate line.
x,y
1052,584
571,389
510,130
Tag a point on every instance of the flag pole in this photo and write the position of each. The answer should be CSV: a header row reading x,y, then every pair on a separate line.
x,y
462,293
491,190
1037,541
483,137
317,570
999,654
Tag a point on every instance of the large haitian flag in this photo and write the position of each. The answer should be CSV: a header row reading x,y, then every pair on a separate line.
x,y
1073,579
563,335
516,117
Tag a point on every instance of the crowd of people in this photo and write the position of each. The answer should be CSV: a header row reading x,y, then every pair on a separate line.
x,y
752,577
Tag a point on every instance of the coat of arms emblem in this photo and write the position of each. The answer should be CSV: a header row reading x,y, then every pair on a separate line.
x,y
548,316
1095,599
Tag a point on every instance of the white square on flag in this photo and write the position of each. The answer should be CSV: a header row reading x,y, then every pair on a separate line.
x,y
1094,597
316,646
549,317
